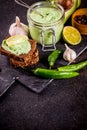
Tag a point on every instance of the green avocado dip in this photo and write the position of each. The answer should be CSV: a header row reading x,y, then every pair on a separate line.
x,y
47,18
17,46
45,15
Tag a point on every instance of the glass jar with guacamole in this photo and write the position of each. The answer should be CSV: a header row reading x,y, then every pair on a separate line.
x,y
46,22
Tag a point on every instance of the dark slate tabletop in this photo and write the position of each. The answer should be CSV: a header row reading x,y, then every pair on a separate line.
x,y
62,105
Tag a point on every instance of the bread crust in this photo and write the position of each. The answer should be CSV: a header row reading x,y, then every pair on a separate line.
x,y
34,60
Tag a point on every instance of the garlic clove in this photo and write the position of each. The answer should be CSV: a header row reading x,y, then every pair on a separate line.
x,y
25,27
18,23
69,54
18,28
11,29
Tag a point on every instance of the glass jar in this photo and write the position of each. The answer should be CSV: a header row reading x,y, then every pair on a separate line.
x,y
46,21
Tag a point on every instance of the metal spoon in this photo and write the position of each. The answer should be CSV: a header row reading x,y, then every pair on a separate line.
x,y
22,3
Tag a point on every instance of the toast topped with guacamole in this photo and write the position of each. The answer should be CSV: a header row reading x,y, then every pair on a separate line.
x,y
21,51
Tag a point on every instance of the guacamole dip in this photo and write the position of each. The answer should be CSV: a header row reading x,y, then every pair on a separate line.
x,y
47,18
17,45
45,15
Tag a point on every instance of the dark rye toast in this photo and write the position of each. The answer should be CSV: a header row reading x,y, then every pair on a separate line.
x,y
16,63
23,60
22,57
34,60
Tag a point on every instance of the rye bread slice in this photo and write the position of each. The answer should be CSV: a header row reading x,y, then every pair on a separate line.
x,y
16,63
22,57
34,60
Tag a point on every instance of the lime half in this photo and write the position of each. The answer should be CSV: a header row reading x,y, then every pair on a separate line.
x,y
71,35
17,39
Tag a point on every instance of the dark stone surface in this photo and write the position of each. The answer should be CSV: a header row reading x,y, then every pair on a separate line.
x,y
61,106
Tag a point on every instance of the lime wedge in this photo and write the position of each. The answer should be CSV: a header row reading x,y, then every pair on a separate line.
x,y
71,35
17,39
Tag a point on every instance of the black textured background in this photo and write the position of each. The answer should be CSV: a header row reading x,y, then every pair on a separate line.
x,y
61,106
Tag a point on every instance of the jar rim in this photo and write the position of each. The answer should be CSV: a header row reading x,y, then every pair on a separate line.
x,y
49,4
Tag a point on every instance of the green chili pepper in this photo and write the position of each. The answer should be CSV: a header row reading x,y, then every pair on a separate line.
x,y
54,74
53,57
73,67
